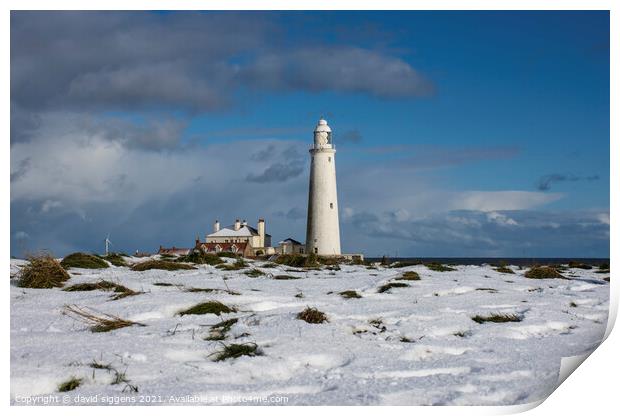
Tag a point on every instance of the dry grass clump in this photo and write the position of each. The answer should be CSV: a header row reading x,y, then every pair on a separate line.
x,y
160,265
312,316
99,322
249,349
42,272
237,265
543,272
504,269
254,272
71,384
438,267
298,260
497,318
218,331
83,261
386,287
122,291
116,259
199,257
213,306
350,294
409,276
400,264
578,265
285,277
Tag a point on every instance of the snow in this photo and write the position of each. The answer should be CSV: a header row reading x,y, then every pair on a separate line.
x,y
358,357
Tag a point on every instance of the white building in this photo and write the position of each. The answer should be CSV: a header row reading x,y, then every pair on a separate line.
x,y
323,229
238,238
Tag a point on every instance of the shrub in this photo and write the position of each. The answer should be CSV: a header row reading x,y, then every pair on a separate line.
x,y
285,277
160,265
84,261
298,260
254,273
116,259
578,265
409,276
122,291
199,257
71,384
249,349
214,307
543,272
497,318
400,264
227,254
237,265
99,322
438,267
504,269
312,316
388,286
42,272
350,294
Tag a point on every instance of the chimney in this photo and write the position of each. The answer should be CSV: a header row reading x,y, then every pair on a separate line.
x,y
261,232
237,224
244,223
216,226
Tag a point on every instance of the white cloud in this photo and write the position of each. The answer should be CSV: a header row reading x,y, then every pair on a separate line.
x,y
501,200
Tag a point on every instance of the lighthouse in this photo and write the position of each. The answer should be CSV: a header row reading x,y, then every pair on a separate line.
x,y
323,230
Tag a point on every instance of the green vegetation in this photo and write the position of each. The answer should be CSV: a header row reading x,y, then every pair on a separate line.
x,y
116,259
350,294
101,322
543,272
237,265
400,264
504,269
213,307
249,349
84,261
218,331
298,260
409,276
268,265
438,267
254,273
122,291
42,272
199,257
577,265
160,265
227,254
386,287
71,384
497,318
162,284
312,316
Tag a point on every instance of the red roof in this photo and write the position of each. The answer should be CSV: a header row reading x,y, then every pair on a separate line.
x,y
214,247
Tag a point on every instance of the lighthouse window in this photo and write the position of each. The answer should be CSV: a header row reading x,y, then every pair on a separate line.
x,y
329,159
316,250
331,205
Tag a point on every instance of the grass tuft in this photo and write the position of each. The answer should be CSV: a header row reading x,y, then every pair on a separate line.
x,y
122,291
438,267
42,272
298,260
116,259
254,272
386,287
504,269
83,261
249,349
578,265
101,322
218,331
400,264
350,294
285,277
160,265
497,318
214,307
312,316
237,265
71,384
409,276
198,257
543,272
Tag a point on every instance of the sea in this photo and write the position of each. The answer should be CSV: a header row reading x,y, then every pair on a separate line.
x,y
477,261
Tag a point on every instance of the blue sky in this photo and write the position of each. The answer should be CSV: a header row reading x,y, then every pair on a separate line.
x,y
458,133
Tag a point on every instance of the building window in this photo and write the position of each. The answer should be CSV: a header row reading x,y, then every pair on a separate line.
x,y
331,205
316,250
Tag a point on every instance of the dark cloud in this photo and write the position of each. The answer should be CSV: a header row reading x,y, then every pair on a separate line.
x,y
545,182
294,213
349,136
22,169
278,172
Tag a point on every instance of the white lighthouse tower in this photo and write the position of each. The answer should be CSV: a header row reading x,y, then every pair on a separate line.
x,y
323,230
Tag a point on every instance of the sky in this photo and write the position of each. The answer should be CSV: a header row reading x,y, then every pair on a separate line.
x,y
458,134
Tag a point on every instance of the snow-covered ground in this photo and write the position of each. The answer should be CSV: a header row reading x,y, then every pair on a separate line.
x,y
358,357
